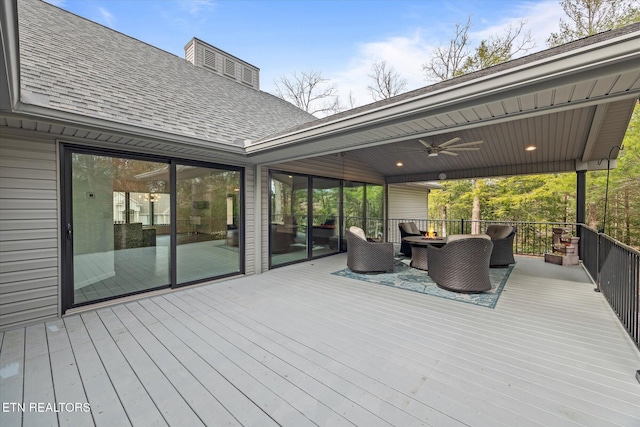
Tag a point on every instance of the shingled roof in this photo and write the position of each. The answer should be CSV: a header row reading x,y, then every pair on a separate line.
x,y
74,65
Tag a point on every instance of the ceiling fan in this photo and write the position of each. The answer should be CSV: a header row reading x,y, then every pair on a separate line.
x,y
449,148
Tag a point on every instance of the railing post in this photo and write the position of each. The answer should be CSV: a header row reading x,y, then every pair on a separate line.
x,y
598,266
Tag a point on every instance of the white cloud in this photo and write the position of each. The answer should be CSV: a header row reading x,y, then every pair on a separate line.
x,y
408,54
107,17
542,18
405,54
196,6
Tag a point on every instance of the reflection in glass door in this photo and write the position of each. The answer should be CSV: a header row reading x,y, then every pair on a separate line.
x,y
288,222
120,210
207,222
353,207
325,214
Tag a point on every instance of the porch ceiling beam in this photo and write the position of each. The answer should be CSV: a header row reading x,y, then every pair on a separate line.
x,y
594,131
487,172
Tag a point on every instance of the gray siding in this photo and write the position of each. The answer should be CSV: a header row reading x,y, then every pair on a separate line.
x,y
28,231
249,216
264,200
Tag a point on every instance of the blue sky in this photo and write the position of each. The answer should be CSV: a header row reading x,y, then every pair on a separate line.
x,y
339,38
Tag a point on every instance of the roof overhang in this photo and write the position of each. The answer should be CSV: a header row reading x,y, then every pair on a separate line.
x,y
574,105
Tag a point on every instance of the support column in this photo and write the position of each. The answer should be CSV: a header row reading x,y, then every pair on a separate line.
x,y
581,202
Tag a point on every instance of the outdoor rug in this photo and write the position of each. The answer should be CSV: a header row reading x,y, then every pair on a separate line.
x,y
412,279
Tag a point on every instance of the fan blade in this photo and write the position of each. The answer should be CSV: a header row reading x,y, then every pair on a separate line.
x,y
456,148
449,142
425,143
450,153
465,144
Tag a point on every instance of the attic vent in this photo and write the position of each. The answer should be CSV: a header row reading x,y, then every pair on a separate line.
x,y
209,59
247,75
229,67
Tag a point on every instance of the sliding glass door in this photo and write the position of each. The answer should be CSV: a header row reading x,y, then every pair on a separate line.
x,y
121,210
288,222
207,222
309,215
135,223
325,209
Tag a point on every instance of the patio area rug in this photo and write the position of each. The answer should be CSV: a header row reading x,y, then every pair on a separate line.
x,y
412,279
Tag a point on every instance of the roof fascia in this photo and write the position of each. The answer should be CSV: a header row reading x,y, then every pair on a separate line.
x,y
565,64
9,57
61,118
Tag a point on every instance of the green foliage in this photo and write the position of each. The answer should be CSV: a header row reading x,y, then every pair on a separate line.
x,y
552,197
588,17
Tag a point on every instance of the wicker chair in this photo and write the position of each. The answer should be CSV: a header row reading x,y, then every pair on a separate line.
x,y
408,229
462,265
502,237
367,257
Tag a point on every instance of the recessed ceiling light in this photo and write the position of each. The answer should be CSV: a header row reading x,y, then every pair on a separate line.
x,y
531,148
399,164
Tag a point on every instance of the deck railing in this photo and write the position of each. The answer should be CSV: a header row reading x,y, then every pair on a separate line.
x,y
615,268
532,238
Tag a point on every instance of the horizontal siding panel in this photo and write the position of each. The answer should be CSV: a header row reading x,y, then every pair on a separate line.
x,y
28,316
27,265
14,299
14,193
28,304
26,245
28,224
28,163
23,147
13,235
34,254
28,230
23,183
18,276
26,204
17,214
20,153
26,285
23,173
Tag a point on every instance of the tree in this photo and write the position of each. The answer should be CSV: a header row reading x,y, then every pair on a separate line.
x,y
386,81
447,61
588,17
309,91
499,49
457,58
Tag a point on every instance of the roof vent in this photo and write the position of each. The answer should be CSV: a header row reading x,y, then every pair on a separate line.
x,y
220,62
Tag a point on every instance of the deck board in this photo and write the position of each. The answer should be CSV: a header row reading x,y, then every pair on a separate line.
x,y
299,346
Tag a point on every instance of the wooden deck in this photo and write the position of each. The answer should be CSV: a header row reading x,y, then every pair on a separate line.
x,y
297,346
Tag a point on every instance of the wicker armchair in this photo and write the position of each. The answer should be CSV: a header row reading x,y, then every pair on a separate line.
x,y
408,229
462,265
502,237
367,257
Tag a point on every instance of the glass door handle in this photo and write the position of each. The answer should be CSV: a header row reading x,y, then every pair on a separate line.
x,y
69,231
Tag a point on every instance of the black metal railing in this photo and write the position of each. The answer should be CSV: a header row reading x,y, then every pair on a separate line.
x,y
615,268
532,238
588,251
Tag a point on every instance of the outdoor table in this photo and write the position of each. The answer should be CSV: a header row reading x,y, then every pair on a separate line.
x,y
419,249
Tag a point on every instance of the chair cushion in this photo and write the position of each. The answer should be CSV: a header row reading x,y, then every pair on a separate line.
x,y
358,232
455,237
410,227
497,231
